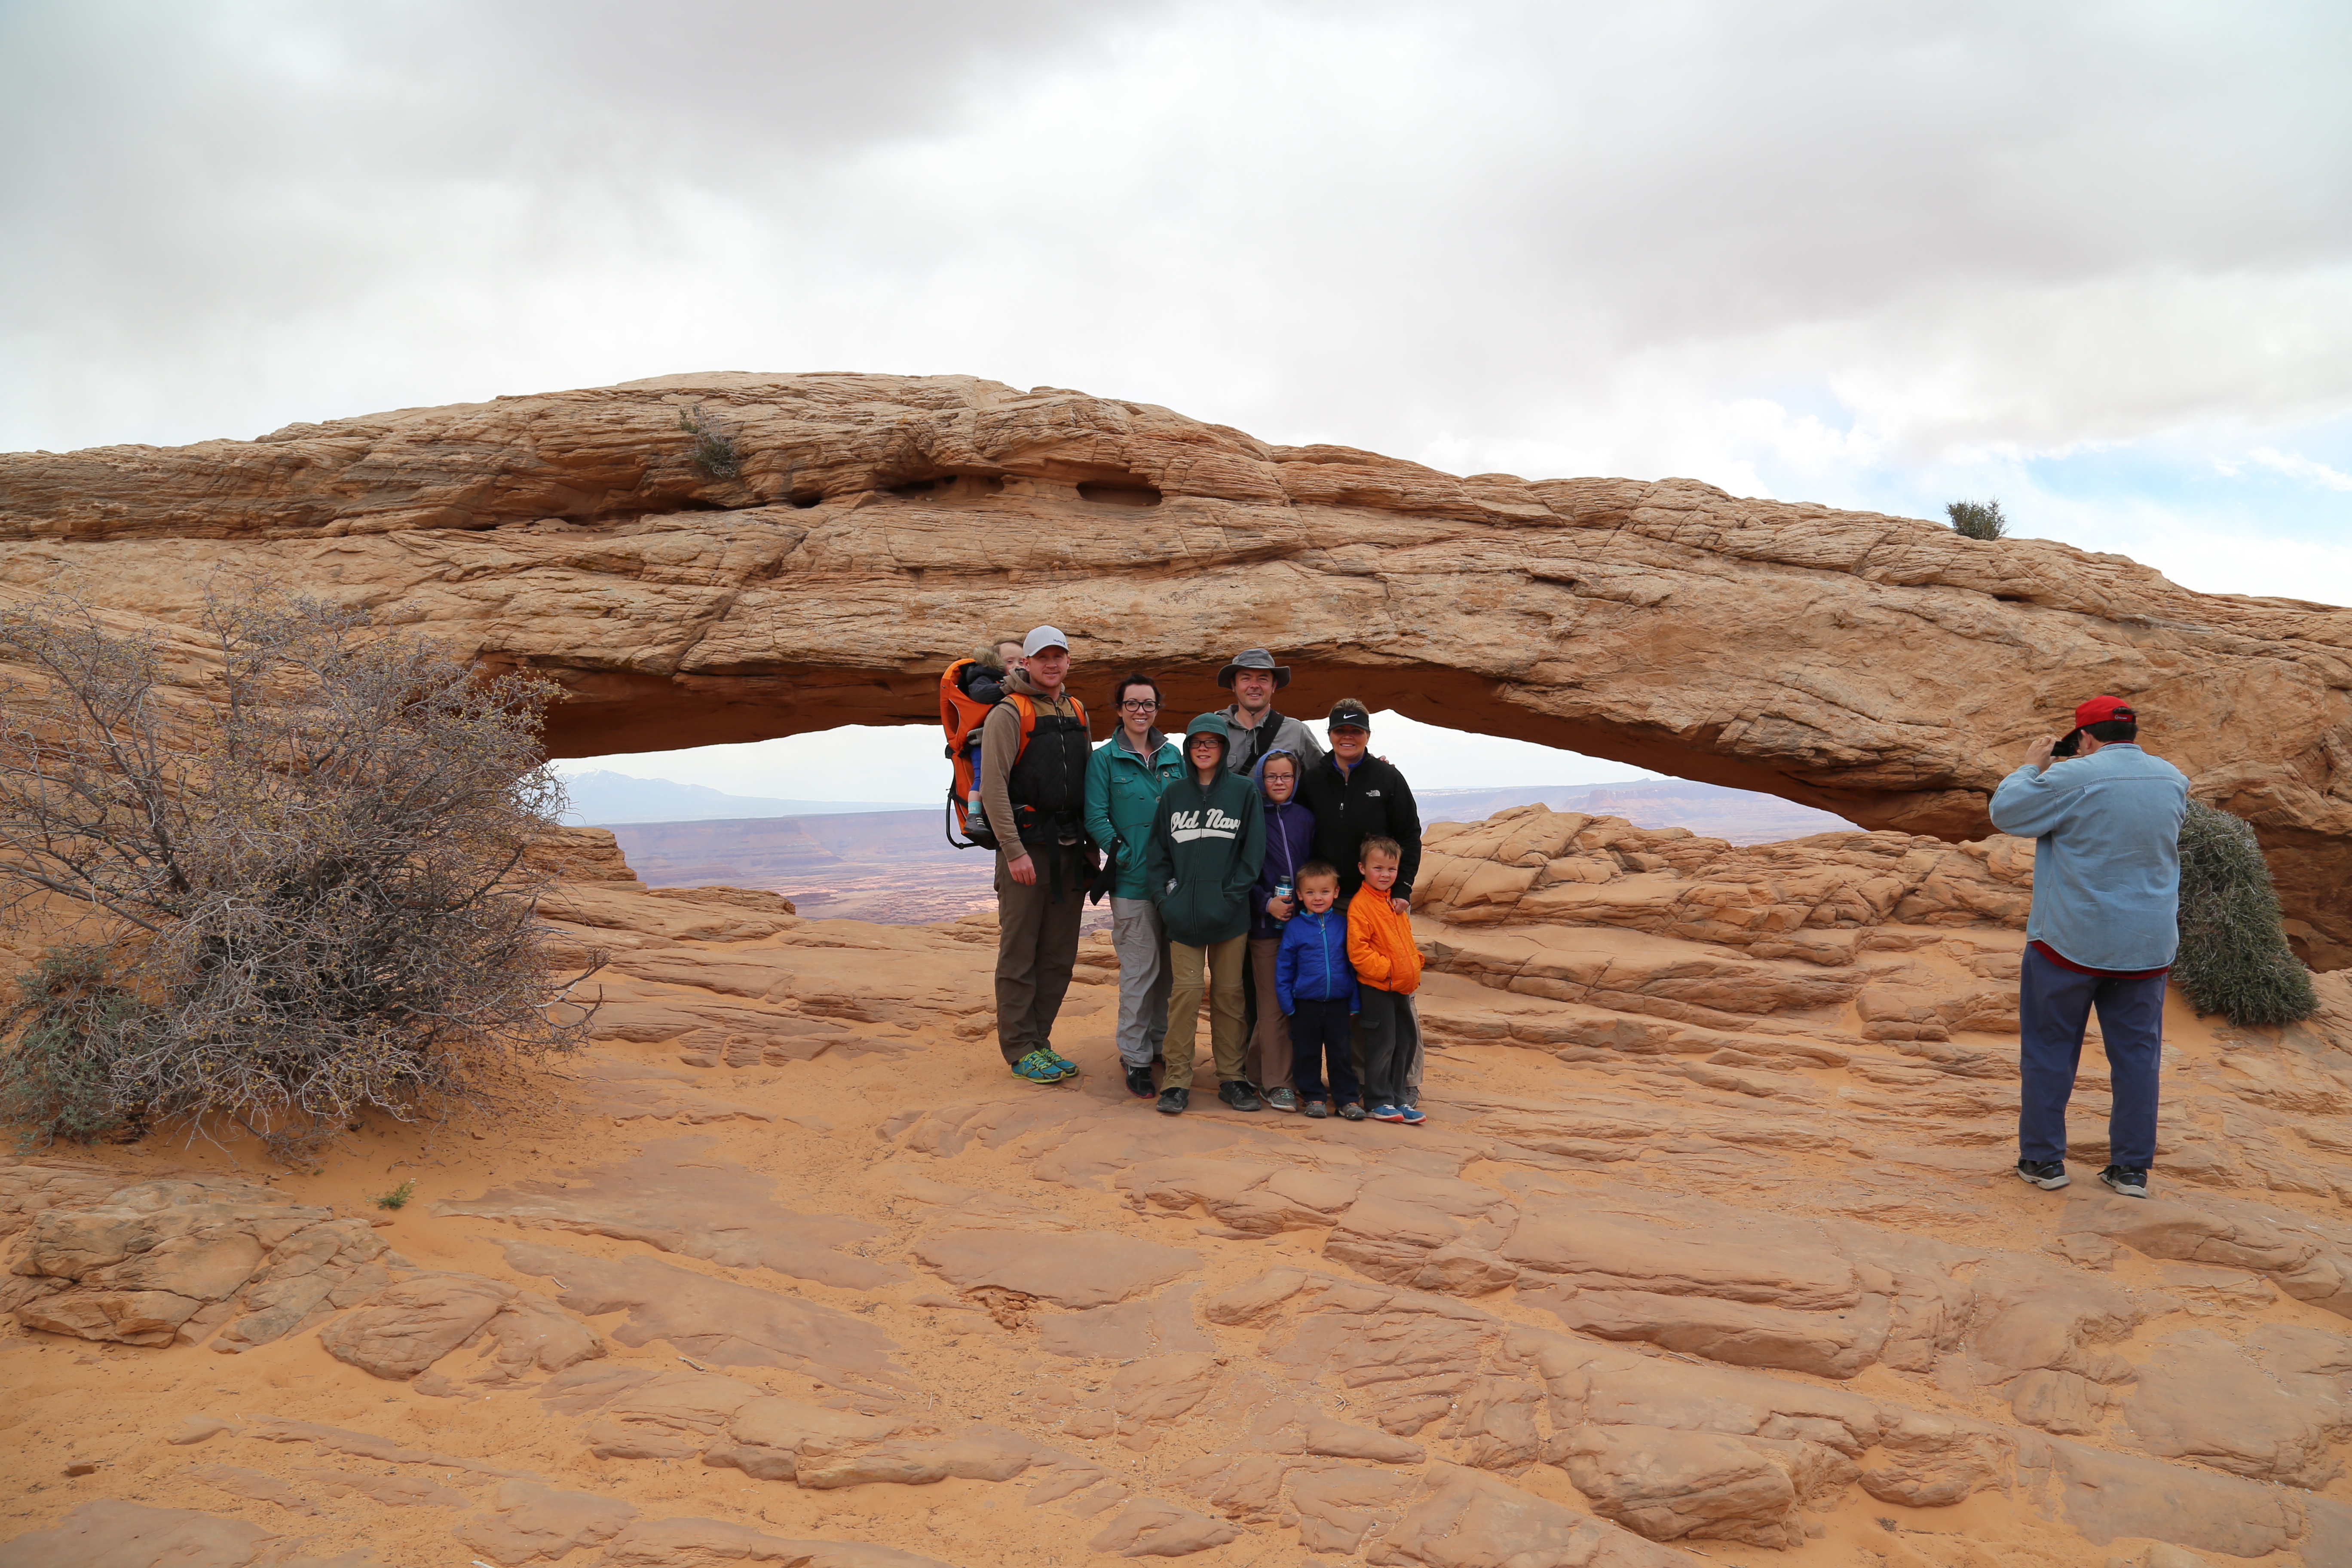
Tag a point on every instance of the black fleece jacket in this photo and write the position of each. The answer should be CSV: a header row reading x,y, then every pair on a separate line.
x,y
1371,801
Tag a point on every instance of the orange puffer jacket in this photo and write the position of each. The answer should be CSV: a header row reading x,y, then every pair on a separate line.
x,y
1380,946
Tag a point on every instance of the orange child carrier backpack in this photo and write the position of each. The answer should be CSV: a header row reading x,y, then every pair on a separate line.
x,y
961,716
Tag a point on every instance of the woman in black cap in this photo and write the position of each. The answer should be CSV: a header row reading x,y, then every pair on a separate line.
x,y
1356,795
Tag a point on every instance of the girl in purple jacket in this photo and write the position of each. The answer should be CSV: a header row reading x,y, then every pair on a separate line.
x,y
1290,844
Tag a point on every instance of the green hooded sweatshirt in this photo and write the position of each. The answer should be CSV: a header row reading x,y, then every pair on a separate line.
x,y
1206,846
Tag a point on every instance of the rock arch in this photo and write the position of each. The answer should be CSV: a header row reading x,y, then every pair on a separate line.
x,y
1879,666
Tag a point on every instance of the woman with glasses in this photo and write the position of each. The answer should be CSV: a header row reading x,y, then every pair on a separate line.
x,y
1124,778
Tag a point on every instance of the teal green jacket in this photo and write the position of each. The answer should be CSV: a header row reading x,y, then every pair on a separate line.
x,y
1121,790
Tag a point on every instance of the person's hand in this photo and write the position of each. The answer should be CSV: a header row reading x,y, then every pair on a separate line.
x,y
1401,906
1279,909
2037,755
1024,871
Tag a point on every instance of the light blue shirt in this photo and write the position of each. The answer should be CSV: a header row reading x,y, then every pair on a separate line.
x,y
2107,860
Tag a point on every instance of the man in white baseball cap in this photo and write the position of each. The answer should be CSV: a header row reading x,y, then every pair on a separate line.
x,y
1033,750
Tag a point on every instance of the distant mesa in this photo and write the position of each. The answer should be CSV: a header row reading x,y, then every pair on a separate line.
x,y
601,798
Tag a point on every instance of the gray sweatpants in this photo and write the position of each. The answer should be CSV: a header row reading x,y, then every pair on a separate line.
x,y
1140,940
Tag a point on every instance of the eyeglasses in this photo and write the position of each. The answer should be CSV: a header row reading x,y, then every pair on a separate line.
x,y
1139,707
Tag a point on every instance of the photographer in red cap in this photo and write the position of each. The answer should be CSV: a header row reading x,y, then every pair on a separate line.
x,y
2105,820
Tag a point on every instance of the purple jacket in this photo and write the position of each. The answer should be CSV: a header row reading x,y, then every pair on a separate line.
x,y
1290,844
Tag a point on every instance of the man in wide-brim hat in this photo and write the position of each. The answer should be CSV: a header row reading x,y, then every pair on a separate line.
x,y
1252,728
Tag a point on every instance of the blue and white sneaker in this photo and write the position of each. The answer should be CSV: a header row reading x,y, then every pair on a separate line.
x,y
1384,1111
1411,1115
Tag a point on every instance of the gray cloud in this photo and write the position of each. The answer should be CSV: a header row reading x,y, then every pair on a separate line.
x,y
1553,237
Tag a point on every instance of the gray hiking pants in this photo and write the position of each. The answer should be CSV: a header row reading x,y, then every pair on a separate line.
x,y
1140,940
1036,948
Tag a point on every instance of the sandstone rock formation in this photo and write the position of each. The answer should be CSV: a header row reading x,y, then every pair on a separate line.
x,y
1709,1247
1883,668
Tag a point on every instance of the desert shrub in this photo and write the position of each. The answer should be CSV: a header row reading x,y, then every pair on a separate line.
x,y
2234,959
72,1022
714,450
1977,520
301,899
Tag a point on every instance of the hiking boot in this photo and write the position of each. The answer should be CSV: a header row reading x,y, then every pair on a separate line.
x,y
2129,1180
1318,1108
1282,1098
1351,1111
1038,1067
1172,1102
1411,1115
1384,1111
1239,1095
2048,1175
1138,1083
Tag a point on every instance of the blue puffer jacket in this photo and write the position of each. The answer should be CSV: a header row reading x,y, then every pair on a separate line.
x,y
1313,961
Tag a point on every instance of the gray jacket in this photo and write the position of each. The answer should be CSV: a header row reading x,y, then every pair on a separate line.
x,y
2107,860
1244,749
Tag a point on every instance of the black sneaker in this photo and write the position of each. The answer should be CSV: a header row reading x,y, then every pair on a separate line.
x,y
1138,1083
2125,1179
2048,1175
1172,1102
1240,1096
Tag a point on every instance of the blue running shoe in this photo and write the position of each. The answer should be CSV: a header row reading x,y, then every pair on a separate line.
x,y
1411,1115
1070,1069
1384,1111
1038,1067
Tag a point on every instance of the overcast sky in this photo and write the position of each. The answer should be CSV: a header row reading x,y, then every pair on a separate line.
x,y
2094,259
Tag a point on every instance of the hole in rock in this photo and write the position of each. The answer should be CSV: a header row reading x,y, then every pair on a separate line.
x,y
850,823
805,498
1108,493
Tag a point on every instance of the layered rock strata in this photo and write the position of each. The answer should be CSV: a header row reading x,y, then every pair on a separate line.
x,y
1710,1244
873,527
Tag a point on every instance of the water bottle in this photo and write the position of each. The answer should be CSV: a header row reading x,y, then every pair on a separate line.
x,y
975,774
1282,891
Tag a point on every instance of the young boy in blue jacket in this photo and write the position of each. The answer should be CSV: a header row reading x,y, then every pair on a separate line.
x,y
1315,987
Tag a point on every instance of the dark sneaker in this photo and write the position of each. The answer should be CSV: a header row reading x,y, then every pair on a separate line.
x,y
1138,1083
1240,1096
2048,1175
1282,1098
1411,1115
2124,1179
1351,1111
1172,1102
1318,1108
1038,1067
1384,1111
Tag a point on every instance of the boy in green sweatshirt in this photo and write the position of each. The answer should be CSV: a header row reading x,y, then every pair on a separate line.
x,y
1208,837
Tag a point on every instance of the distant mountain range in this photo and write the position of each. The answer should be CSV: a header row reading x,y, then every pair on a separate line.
x,y
603,799
1711,811
876,863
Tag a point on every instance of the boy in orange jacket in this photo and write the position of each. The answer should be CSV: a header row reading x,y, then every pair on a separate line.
x,y
1388,966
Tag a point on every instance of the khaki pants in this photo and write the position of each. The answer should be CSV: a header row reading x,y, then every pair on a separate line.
x,y
1223,962
1036,949
1266,1063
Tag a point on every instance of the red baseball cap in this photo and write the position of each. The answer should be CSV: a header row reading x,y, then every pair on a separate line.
x,y
2099,709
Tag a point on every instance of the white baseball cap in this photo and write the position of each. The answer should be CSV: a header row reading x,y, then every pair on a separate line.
x,y
1040,639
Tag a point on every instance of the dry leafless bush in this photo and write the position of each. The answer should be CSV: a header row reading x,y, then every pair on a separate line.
x,y
309,893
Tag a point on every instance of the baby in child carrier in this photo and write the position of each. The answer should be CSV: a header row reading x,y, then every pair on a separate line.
x,y
986,680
